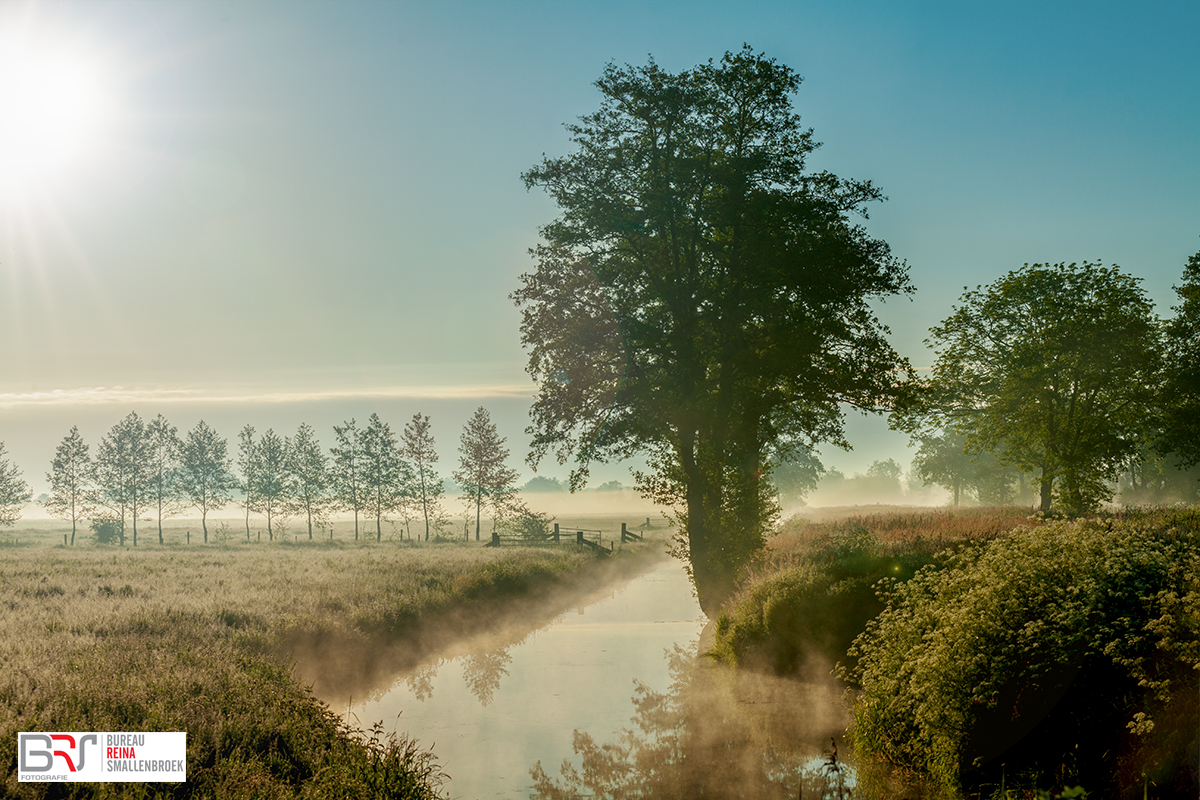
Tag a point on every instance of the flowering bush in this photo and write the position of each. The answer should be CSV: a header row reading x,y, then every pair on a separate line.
x,y
1048,651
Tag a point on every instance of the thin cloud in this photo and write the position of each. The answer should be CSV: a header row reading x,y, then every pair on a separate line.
x,y
106,395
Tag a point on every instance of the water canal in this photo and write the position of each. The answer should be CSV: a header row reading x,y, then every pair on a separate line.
x,y
496,705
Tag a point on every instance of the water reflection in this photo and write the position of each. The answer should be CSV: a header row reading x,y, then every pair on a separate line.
x,y
715,734
482,670
490,706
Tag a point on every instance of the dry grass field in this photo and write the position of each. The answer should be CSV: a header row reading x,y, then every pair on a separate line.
x,y
202,638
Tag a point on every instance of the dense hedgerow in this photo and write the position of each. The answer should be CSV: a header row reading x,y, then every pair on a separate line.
x,y
1066,653
813,589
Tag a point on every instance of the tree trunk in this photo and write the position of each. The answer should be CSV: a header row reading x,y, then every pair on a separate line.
x,y
478,503
1047,483
425,508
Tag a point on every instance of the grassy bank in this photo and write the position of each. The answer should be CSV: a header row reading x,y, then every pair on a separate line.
x,y
813,589
202,639
998,651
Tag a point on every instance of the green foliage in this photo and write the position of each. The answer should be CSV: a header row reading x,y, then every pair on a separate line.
x,y
1181,393
70,480
1053,368
816,605
703,299
307,477
1065,650
797,476
417,447
540,483
106,531
123,472
517,519
942,458
204,472
482,470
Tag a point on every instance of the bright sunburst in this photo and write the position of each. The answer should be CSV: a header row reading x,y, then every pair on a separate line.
x,y
51,110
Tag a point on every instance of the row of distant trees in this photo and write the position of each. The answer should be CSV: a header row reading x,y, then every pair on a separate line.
x,y
145,470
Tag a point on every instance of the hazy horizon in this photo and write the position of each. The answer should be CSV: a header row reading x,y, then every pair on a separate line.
x,y
256,217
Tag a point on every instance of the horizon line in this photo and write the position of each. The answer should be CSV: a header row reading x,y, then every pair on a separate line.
x,y
105,395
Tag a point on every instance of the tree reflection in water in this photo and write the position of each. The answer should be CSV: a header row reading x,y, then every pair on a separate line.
x,y
482,671
702,739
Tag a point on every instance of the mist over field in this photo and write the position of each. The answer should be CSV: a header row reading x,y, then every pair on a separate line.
x,y
868,334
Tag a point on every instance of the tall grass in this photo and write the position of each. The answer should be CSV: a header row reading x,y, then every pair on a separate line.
x,y
814,587
201,639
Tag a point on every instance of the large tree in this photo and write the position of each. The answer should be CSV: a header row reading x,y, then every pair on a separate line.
x,y
416,445
703,299
1053,368
123,472
14,491
70,479
204,476
482,472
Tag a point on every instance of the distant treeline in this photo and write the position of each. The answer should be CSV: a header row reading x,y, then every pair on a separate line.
x,y
146,471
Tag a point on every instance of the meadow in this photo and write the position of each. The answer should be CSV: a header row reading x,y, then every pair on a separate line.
x,y
206,639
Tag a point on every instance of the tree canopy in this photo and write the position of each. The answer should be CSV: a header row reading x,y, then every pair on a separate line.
x,y
14,491
204,474
702,298
1181,413
1054,368
70,479
482,472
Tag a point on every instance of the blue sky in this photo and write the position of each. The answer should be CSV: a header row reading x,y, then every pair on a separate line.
x,y
289,212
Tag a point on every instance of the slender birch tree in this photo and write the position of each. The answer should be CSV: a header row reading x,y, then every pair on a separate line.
x,y
345,470
384,472
14,491
204,476
271,479
122,472
307,476
70,481
162,452
416,445
482,472
248,466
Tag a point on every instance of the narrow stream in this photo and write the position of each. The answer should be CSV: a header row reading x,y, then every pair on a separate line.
x,y
499,704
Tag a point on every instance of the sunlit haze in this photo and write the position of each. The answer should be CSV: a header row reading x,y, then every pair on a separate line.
x,y
267,214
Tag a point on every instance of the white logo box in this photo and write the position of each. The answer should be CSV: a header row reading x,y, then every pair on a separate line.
x,y
102,756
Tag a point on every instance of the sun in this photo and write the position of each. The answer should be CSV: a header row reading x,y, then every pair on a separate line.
x,y
51,110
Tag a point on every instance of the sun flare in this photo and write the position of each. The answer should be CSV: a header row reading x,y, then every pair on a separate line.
x,y
51,110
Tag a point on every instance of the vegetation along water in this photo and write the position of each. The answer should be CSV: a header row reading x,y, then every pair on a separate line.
x,y
202,639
